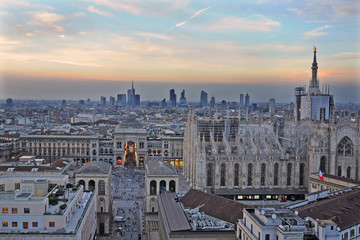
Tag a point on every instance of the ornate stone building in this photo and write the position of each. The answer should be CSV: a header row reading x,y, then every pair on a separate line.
x,y
97,176
253,158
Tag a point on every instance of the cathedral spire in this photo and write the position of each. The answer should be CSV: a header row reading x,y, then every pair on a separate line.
x,y
314,83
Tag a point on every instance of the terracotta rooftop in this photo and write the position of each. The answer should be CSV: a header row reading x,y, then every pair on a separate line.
x,y
343,209
219,207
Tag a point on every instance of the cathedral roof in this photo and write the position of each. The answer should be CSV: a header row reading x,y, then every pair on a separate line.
x,y
94,168
158,167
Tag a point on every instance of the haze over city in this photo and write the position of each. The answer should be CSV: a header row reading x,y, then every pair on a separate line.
x,y
85,49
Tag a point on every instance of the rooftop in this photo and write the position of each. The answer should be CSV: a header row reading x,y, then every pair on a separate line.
x,y
95,168
342,207
158,167
219,207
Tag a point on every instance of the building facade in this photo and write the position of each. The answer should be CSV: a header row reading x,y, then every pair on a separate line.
x,y
96,176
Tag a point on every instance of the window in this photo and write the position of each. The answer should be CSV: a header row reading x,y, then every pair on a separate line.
x,y
26,210
14,224
14,210
352,232
301,180
263,174
34,224
323,164
276,174
101,187
25,225
339,171
288,179
153,187
250,174
2,187
345,147
5,210
17,186
348,172
236,175
240,233
209,175
259,235
118,144
51,224
222,175
5,224
267,237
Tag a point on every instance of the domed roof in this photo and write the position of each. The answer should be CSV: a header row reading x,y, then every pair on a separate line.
x,y
95,168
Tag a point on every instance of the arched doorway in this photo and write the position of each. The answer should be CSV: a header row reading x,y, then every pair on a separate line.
x,y
82,182
130,154
119,160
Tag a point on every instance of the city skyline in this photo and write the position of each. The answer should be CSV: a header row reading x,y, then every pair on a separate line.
x,y
217,45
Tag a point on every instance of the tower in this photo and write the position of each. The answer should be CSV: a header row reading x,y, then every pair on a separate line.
x,y
314,83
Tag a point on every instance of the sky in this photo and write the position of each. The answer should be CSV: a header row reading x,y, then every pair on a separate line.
x,y
83,49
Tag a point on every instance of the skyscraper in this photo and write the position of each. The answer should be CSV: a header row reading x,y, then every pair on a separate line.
x,y
247,100
241,99
131,95
9,102
212,102
203,99
103,101
172,98
112,101
183,98
137,100
272,106
121,100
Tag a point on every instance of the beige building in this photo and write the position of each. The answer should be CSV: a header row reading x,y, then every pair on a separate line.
x,y
33,212
160,177
331,182
270,224
96,176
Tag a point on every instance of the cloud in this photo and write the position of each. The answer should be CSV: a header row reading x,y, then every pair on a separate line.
x,y
193,16
22,4
348,55
120,6
47,20
263,24
154,35
98,11
317,32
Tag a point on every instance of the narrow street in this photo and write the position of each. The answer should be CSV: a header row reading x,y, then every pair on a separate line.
x,y
128,195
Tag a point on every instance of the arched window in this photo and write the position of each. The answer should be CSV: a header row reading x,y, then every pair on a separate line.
x,y
345,147
222,175
301,175
91,185
250,167
162,186
236,174
339,171
209,175
263,174
348,172
323,164
289,169
82,182
153,187
172,186
276,174
101,187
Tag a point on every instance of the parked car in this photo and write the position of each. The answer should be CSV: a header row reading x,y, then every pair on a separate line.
x,y
119,219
